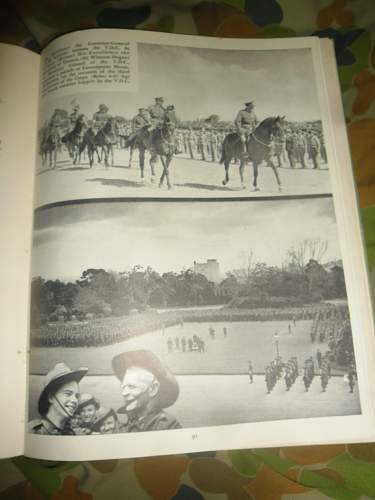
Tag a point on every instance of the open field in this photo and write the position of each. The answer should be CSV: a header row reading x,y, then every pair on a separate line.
x,y
206,400
245,340
191,178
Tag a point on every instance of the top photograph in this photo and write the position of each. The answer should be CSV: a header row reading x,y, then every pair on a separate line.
x,y
197,123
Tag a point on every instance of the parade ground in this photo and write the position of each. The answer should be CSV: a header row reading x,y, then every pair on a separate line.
x,y
206,400
244,341
190,178
215,388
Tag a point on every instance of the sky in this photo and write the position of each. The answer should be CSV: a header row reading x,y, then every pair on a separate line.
x,y
170,236
201,82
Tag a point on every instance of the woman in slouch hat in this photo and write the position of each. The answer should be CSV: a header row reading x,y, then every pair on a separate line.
x,y
58,401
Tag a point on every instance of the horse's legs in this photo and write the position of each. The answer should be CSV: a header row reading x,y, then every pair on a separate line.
x,y
168,160
255,172
106,155
131,156
270,164
226,166
111,149
153,160
142,163
163,175
241,169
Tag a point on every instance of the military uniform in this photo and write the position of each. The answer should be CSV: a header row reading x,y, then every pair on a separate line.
x,y
140,121
157,113
100,118
313,148
54,125
300,149
45,427
290,148
245,123
157,421
73,117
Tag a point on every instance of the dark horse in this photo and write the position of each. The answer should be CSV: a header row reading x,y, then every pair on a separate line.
x,y
74,138
49,146
103,140
160,142
259,147
106,138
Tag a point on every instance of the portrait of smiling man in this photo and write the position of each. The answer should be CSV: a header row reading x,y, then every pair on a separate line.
x,y
147,387
58,401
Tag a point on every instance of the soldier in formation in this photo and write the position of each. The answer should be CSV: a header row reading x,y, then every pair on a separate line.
x,y
273,373
291,372
308,373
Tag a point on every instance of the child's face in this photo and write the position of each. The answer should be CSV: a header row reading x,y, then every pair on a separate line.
x,y
87,414
108,426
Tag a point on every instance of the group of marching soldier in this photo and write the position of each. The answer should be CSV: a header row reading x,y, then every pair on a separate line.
x,y
301,142
194,343
276,370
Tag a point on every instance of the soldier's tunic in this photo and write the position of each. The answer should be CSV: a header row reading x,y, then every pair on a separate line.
x,y
290,149
45,427
100,118
157,113
313,147
73,117
245,123
157,421
54,126
300,149
138,122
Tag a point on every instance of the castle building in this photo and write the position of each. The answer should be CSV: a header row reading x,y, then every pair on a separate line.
x,y
209,269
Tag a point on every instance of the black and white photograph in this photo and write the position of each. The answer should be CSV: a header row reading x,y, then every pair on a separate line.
x,y
151,316
203,123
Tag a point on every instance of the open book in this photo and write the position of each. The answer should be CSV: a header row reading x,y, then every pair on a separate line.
x,y
182,261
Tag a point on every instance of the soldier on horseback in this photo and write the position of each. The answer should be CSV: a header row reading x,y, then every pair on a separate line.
x,y
101,117
141,119
73,117
157,111
245,122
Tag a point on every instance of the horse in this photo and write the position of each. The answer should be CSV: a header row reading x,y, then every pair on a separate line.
x,y
259,148
74,138
88,141
49,145
160,142
106,138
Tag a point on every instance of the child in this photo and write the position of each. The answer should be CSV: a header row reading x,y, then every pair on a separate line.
x,y
86,411
106,421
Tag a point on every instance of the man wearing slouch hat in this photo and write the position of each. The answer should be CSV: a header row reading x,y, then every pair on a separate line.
x,y
58,401
148,387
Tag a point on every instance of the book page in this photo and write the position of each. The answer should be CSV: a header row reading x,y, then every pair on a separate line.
x,y
196,283
19,80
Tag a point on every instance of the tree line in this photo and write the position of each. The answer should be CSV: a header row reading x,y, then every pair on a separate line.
x,y
100,293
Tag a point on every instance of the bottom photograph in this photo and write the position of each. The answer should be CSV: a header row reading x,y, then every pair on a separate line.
x,y
151,316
